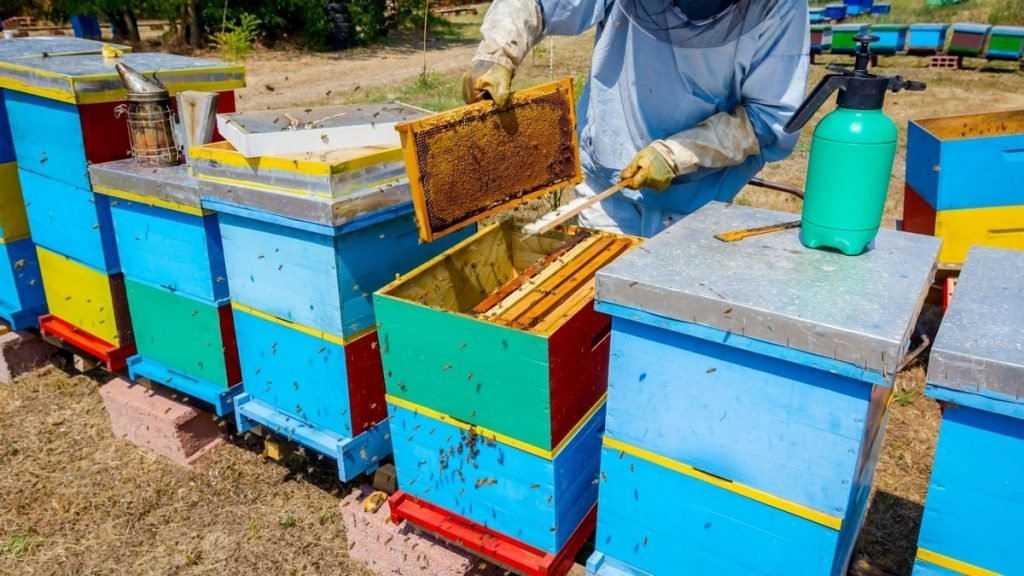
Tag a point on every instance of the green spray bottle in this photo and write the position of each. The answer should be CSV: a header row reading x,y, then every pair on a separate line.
x,y
851,156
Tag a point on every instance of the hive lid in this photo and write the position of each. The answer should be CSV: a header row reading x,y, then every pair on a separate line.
x,y
475,161
860,310
970,27
300,130
37,46
90,78
168,187
979,348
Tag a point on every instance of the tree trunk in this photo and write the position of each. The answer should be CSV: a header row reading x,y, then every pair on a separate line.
x,y
118,24
197,36
133,27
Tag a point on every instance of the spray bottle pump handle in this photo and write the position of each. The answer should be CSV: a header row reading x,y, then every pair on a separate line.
x,y
821,94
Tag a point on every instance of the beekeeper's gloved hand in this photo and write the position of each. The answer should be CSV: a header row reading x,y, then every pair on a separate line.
x,y
649,169
486,80
722,140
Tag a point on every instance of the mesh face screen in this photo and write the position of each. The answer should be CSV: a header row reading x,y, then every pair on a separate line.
x,y
472,161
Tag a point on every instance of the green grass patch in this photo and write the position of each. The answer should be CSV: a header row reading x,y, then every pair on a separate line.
x,y
20,543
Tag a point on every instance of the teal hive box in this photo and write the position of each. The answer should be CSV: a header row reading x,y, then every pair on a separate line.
x,y
927,39
170,253
976,371
1005,43
968,39
745,415
892,38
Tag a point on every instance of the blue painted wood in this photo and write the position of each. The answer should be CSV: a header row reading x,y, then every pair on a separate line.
x,y
21,288
892,38
822,363
652,520
522,495
780,427
70,221
984,399
317,280
299,375
976,172
927,38
976,493
34,123
178,251
222,400
6,143
922,568
355,456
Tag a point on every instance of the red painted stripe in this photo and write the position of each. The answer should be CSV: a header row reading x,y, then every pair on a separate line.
x,y
365,383
578,363
227,333
918,215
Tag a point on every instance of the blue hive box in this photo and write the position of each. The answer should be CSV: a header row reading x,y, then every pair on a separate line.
x,y
892,38
881,8
976,371
926,39
305,245
835,11
745,414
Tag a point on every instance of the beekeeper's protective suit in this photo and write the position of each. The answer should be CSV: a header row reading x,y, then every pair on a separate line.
x,y
686,99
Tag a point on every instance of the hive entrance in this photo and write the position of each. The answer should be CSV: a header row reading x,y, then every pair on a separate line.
x,y
471,162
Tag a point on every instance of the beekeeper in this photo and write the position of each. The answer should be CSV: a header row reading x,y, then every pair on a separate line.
x,y
686,99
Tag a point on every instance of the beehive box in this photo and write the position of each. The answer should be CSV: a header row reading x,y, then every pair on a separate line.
x,y
892,38
496,341
817,15
173,263
926,39
21,289
881,8
963,181
968,39
843,37
1005,43
835,11
976,371
821,38
857,7
302,262
750,413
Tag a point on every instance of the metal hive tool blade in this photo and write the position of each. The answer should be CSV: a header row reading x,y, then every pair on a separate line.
x,y
472,162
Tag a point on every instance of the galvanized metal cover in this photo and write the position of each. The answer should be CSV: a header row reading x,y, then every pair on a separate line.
x,y
36,46
91,78
980,345
860,310
299,130
167,184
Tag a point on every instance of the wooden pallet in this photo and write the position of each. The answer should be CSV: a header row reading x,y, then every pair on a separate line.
x,y
488,544
946,62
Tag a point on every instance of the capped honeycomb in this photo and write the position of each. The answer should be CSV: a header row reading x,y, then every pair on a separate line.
x,y
474,161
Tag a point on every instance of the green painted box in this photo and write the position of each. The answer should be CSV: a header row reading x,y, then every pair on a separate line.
x,y
527,379
190,337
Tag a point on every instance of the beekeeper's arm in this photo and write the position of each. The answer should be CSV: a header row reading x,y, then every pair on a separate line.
x,y
510,30
770,93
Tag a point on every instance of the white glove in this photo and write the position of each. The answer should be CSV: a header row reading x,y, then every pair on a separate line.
x,y
720,141
510,30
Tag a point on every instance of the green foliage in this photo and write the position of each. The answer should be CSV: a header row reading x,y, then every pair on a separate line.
x,y
904,396
368,19
1008,12
302,21
19,543
236,40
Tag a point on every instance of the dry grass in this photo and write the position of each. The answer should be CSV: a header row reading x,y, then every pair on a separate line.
x,y
76,500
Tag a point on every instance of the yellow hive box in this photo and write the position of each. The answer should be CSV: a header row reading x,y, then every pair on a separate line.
x,y
13,222
85,298
998,227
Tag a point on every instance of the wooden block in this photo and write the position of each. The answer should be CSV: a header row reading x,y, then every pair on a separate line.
x,y
536,499
87,299
70,221
969,161
385,479
22,352
169,428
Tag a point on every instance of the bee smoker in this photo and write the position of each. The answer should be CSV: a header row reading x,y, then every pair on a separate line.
x,y
150,119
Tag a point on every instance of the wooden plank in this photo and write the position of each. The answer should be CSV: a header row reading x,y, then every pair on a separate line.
x,y
567,289
537,280
564,273
564,310
531,271
527,294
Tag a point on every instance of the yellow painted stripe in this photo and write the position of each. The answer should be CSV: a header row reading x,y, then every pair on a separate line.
x,y
299,327
231,157
119,94
261,186
496,436
800,510
47,93
951,564
997,227
150,201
